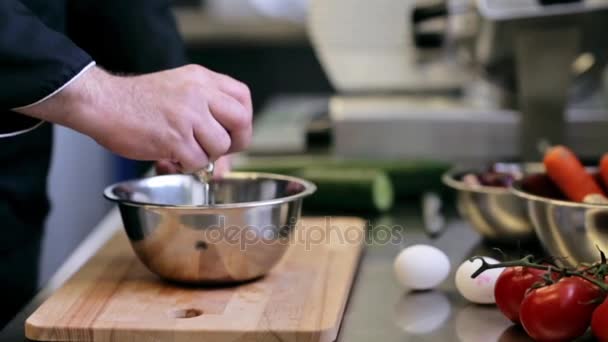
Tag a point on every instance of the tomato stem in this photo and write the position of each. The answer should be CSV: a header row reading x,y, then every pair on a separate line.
x,y
528,263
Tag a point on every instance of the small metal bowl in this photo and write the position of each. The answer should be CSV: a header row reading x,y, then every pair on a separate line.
x,y
239,237
566,229
494,212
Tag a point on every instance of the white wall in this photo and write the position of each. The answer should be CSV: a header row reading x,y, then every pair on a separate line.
x,y
80,171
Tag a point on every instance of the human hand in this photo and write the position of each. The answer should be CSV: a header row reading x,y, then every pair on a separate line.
x,y
222,166
189,115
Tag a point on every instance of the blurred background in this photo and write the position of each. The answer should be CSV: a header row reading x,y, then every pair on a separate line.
x,y
377,96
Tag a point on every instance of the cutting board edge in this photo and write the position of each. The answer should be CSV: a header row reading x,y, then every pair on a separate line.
x,y
38,332
353,278
46,333
330,334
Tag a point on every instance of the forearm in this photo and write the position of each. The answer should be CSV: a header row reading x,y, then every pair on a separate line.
x,y
79,105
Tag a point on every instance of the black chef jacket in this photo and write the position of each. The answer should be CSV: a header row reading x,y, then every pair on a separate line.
x,y
37,58
43,45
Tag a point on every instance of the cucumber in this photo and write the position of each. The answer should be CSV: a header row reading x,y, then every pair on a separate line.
x,y
410,178
349,189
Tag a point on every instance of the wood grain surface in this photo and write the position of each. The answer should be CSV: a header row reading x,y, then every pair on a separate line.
x,y
115,298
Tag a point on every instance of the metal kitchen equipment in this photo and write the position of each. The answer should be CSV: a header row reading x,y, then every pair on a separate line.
x,y
239,237
566,229
494,212
476,80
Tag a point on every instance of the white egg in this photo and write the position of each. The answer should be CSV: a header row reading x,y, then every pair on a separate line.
x,y
481,289
421,267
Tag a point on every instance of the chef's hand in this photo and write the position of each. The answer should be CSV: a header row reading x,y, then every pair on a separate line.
x,y
188,116
222,166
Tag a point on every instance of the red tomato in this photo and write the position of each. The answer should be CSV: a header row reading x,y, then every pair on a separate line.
x,y
559,312
599,322
511,287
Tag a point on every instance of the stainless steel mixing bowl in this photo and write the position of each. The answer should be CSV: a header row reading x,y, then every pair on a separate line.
x,y
239,237
494,212
565,229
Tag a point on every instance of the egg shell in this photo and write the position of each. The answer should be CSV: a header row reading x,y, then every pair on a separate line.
x,y
481,289
421,267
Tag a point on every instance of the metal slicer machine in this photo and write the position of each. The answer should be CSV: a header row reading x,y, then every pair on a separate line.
x,y
464,80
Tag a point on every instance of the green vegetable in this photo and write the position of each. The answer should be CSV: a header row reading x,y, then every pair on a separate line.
x,y
410,178
349,189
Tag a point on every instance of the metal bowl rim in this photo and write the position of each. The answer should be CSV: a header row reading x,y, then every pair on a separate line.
x,y
309,189
449,179
517,190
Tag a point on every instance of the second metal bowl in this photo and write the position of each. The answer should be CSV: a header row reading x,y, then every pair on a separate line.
x,y
239,237
494,212
566,229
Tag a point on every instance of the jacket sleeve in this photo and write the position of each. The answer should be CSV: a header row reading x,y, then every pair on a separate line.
x,y
35,61
133,36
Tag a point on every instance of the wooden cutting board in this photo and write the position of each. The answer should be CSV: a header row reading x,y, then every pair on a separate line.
x,y
115,298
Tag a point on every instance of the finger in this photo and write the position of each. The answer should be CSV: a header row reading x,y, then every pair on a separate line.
x,y
212,137
225,83
234,117
166,167
222,166
192,157
234,88
228,111
241,140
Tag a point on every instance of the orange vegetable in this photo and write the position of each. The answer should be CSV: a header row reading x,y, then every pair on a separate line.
x,y
569,174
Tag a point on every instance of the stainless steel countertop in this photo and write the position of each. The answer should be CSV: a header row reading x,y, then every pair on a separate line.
x,y
378,308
